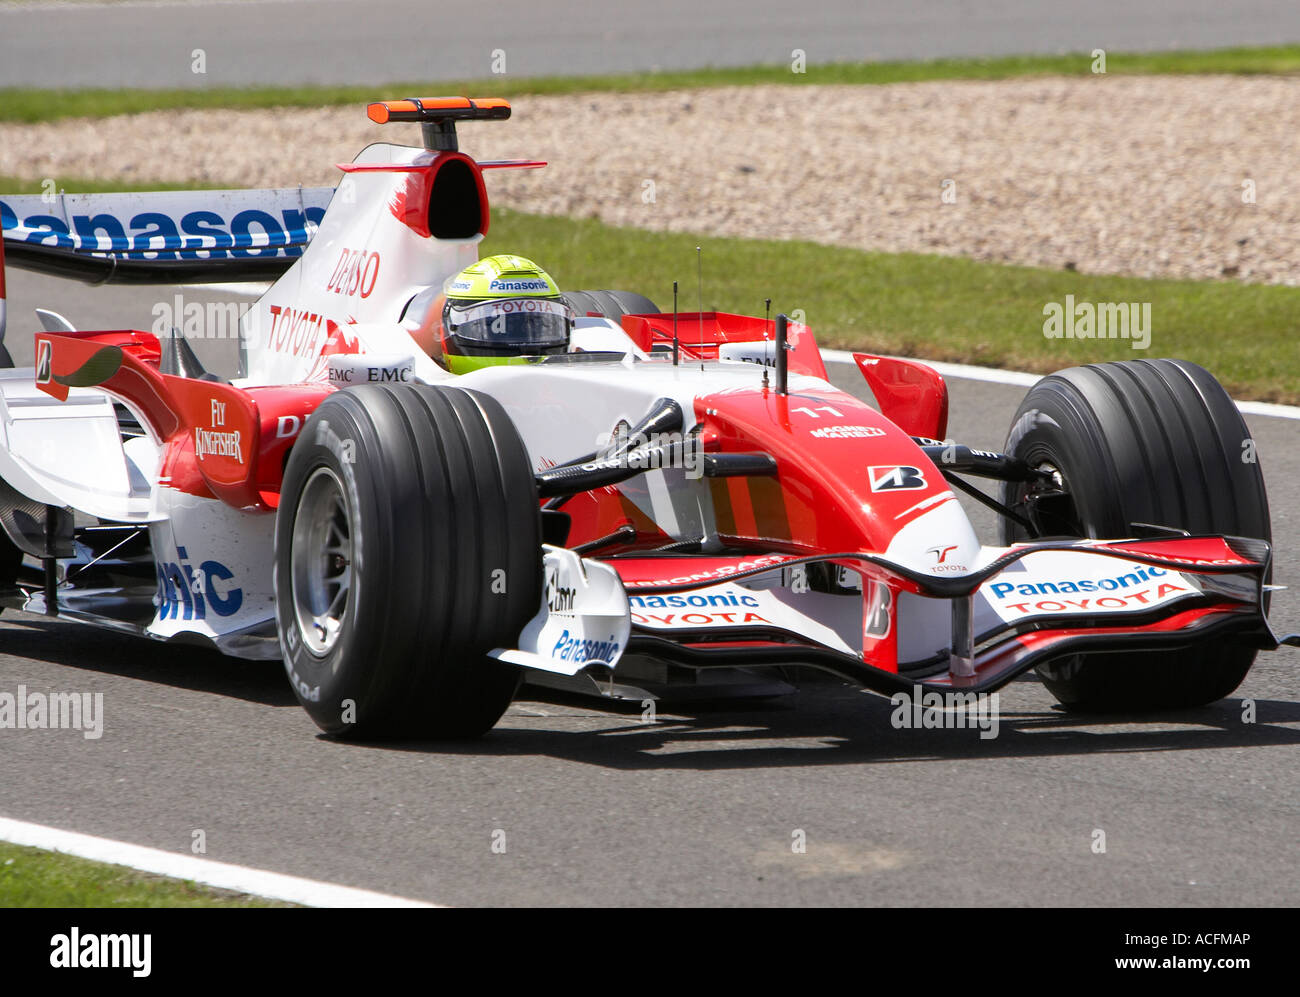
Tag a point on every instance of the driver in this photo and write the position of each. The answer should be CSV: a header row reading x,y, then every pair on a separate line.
x,y
500,308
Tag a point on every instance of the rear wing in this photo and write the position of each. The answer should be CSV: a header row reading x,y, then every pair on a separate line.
x,y
162,236
221,441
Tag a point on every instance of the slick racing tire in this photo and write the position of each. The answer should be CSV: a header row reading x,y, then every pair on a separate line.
x,y
11,558
11,563
611,304
1142,441
407,546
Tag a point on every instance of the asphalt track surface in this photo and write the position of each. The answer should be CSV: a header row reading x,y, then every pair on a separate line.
x,y
272,42
597,807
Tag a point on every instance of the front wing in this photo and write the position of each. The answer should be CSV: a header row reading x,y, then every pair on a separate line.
x,y
888,626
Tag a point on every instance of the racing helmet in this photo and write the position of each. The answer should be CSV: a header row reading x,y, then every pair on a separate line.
x,y
501,308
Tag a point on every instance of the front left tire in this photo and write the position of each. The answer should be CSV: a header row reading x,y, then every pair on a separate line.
x,y
407,546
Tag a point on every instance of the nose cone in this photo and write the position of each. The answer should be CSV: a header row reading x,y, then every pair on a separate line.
x,y
847,479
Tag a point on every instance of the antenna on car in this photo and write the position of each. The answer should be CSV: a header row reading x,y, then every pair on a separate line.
x,y
767,318
674,323
699,272
782,362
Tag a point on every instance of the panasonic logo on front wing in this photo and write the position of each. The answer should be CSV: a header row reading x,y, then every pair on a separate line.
x,y
684,601
1002,590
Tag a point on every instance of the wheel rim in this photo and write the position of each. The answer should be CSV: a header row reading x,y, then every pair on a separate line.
x,y
321,562
1060,515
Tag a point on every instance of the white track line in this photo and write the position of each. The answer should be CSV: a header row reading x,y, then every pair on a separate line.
x,y
969,372
1270,409
1023,380
258,882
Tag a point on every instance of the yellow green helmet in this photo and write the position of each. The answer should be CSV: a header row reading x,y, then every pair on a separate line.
x,y
499,308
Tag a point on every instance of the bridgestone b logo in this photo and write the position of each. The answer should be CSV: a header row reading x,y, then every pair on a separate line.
x,y
43,351
887,479
208,442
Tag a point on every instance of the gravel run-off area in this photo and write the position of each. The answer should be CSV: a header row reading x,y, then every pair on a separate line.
x,y
1150,176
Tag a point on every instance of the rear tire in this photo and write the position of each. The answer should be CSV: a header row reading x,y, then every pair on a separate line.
x,y
611,304
11,558
1141,441
11,562
407,546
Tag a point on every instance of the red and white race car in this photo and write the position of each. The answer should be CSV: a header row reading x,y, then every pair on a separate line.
x,y
679,492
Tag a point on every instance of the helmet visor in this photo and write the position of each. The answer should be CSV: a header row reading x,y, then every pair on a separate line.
x,y
512,325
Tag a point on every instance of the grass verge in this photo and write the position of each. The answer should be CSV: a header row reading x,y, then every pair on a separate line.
x,y
39,104
935,307
31,877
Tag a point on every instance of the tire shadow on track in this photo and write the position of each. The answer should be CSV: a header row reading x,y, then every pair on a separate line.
x,y
839,726
90,649
823,724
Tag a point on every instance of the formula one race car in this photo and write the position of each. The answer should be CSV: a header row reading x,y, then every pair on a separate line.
x,y
652,497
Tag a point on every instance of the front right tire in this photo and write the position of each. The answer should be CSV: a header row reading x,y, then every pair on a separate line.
x,y
1140,441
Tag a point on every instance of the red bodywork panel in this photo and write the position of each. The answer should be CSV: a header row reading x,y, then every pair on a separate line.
x,y
410,202
699,334
670,572
912,395
831,451
218,441
1192,552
